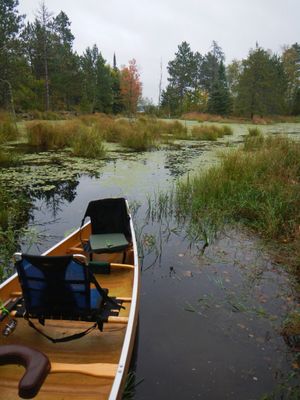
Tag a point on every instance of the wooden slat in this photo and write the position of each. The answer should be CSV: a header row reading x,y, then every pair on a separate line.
x,y
103,370
124,299
118,320
125,266
16,294
72,250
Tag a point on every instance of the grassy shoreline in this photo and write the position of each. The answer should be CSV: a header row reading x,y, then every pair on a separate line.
x,y
257,185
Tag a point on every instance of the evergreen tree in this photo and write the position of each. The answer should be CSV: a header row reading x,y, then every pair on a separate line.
x,y
291,65
233,72
117,101
170,101
64,64
104,96
219,101
183,74
210,67
115,62
262,85
10,55
43,24
89,78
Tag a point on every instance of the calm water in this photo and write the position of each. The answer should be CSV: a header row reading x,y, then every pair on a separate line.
x,y
209,324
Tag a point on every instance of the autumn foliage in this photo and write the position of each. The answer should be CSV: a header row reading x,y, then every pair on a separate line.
x,y
131,86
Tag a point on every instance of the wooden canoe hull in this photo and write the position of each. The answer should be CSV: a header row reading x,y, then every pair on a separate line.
x,y
107,353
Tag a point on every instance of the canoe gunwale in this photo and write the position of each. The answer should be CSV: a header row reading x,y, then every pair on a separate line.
x,y
119,381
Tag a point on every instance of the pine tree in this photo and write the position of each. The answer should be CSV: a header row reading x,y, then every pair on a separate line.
x,y
210,67
182,74
89,79
64,64
117,101
10,26
219,101
43,22
291,65
262,84
104,96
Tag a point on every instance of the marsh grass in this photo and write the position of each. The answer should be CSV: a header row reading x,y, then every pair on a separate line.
x,y
254,132
174,129
7,158
259,188
210,132
48,136
290,331
13,213
8,129
84,140
46,115
254,140
87,143
139,134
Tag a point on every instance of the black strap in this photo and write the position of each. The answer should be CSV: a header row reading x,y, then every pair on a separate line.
x,y
80,230
62,339
102,292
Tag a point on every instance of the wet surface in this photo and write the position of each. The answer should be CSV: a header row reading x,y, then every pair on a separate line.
x,y
209,324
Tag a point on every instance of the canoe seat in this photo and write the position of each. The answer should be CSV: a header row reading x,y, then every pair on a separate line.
x,y
108,242
36,363
60,287
110,226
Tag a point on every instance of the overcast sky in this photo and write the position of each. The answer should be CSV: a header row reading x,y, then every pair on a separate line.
x,y
151,30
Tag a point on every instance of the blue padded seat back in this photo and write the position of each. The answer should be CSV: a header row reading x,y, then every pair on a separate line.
x,y
54,286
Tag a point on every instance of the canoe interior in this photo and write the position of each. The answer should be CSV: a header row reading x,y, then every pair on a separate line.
x,y
96,347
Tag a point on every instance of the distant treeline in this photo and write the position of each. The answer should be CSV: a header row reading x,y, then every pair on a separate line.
x,y
40,71
262,84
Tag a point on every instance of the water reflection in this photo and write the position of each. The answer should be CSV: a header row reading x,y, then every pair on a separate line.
x,y
210,316
56,197
211,323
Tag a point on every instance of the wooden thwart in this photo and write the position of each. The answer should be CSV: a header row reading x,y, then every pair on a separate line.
x,y
117,320
101,370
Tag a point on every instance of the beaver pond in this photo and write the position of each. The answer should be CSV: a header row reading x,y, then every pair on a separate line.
x,y
209,325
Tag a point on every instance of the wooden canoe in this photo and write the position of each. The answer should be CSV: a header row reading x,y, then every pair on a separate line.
x,y
95,366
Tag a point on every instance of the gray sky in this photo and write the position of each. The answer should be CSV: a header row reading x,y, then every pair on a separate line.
x,y
151,30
